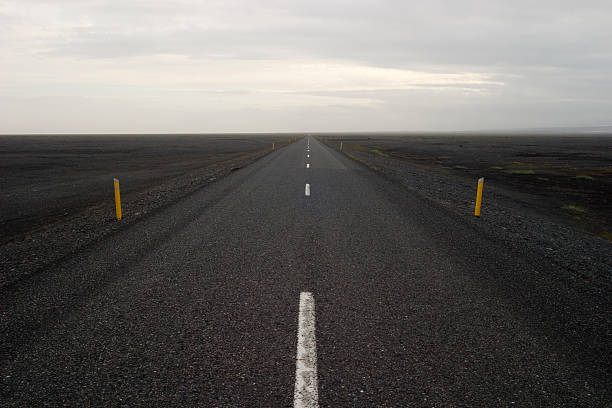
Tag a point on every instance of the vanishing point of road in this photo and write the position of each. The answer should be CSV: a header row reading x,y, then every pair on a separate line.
x,y
304,279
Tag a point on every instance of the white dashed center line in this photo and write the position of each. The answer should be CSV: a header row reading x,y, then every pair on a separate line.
x,y
307,155
307,165
307,190
306,389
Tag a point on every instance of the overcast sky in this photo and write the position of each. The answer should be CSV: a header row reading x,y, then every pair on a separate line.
x,y
142,66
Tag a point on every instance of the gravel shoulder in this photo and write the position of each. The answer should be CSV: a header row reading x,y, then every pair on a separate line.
x,y
50,239
506,217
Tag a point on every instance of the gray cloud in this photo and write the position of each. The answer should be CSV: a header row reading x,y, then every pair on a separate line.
x,y
551,60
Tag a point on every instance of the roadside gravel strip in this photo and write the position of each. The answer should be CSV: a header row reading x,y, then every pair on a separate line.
x,y
577,256
38,250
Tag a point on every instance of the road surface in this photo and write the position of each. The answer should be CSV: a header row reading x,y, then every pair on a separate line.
x,y
384,298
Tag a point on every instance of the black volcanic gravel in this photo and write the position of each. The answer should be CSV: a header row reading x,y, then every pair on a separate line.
x,y
57,191
507,215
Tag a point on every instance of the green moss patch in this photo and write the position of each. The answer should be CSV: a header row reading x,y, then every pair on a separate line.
x,y
378,152
577,209
606,235
522,172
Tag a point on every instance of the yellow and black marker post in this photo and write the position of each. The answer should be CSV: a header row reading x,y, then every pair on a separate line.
x,y
479,197
117,199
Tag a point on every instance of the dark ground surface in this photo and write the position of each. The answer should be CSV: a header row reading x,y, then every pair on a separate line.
x,y
44,179
197,304
567,177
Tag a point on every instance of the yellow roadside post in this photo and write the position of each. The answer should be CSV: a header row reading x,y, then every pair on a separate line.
x,y
340,146
117,199
272,146
479,197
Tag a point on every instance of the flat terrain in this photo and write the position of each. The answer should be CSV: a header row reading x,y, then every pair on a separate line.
x,y
411,303
46,178
567,177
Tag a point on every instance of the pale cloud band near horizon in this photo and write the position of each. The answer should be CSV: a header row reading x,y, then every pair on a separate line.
x,y
130,67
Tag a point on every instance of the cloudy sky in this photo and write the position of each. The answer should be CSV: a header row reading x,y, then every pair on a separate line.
x,y
140,66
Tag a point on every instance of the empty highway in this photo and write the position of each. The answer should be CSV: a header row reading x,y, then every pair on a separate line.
x,y
304,279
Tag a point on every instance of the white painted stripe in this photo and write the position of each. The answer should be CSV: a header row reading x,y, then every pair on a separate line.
x,y
307,155
307,165
307,190
306,392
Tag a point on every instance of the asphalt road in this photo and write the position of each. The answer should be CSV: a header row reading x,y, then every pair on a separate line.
x,y
199,305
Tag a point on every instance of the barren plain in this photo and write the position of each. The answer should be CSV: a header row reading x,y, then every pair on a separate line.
x,y
566,177
56,191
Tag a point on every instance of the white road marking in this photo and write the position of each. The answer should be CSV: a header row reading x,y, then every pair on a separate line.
x,y
307,165
306,392
307,155
307,190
